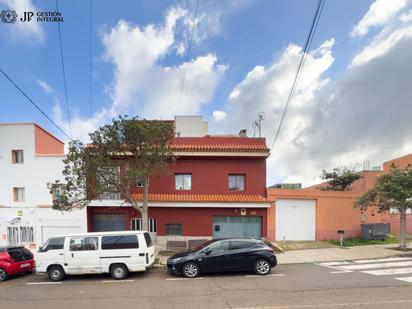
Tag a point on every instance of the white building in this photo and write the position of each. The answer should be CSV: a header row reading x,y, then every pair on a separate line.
x,y
30,157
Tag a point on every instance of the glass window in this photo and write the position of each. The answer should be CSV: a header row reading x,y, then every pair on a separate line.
x,y
54,244
83,243
57,190
148,239
18,194
239,244
136,225
13,236
120,242
173,229
183,181
219,246
26,234
17,156
108,179
236,182
140,182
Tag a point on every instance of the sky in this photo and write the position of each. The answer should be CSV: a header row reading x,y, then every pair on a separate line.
x,y
353,101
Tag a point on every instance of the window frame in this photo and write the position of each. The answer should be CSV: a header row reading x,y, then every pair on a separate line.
x,y
16,195
15,156
182,188
83,249
138,223
236,188
104,246
175,225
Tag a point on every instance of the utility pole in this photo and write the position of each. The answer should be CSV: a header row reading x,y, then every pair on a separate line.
x,y
258,122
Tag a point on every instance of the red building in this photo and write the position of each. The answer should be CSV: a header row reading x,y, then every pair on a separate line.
x,y
216,188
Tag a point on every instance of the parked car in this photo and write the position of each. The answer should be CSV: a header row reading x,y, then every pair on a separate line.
x,y
117,253
15,260
224,255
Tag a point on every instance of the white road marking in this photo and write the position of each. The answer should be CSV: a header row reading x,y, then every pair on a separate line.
x,y
42,283
341,272
183,279
270,275
383,260
376,265
117,281
389,271
334,263
406,279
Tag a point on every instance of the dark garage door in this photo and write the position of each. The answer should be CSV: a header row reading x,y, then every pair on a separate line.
x,y
245,226
108,222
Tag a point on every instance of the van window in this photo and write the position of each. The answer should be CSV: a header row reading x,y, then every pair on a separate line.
x,y
54,244
120,242
148,240
83,243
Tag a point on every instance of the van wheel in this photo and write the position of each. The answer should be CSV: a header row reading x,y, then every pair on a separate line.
x,y
191,270
56,273
3,275
119,271
262,267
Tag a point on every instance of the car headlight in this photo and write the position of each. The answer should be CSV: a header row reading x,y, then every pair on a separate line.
x,y
175,260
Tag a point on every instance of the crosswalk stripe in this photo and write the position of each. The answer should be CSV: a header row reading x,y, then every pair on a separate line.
x,y
406,279
389,271
383,260
335,263
376,265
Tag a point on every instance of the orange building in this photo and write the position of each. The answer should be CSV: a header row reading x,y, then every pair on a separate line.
x,y
314,214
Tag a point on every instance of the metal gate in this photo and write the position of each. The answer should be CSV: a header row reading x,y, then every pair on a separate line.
x,y
109,222
245,226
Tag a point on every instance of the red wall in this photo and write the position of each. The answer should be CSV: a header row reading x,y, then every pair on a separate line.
x,y
45,143
210,176
195,221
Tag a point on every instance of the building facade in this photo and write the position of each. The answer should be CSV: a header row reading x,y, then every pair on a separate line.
x,y
30,157
216,188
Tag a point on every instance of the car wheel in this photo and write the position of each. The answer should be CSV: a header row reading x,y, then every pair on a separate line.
x,y
119,271
3,275
191,270
262,267
56,273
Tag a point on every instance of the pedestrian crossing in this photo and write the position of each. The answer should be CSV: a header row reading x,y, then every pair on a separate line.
x,y
393,266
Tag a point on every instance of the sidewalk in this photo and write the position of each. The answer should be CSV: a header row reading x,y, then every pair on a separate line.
x,y
338,254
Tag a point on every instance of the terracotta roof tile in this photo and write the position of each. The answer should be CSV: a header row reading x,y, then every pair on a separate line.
x,y
204,198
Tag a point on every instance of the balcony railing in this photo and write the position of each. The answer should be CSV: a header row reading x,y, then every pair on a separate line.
x,y
109,196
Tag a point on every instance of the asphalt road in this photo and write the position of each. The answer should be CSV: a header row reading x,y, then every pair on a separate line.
x,y
288,286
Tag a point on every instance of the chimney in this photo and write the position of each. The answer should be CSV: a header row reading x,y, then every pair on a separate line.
x,y
243,133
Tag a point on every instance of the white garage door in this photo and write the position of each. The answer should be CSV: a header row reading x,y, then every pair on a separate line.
x,y
295,219
51,231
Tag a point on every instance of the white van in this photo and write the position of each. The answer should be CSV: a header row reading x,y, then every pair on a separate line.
x,y
117,253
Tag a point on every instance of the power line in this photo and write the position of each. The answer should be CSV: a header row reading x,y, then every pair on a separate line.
x,y
32,102
308,43
188,52
341,150
64,72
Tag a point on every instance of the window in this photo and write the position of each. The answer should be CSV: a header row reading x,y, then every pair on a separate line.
x,y
237,182
83,243
120,242
173,229
108,179
26,234
54,244
183,181
13,236
18,194
57,190
140,182
17,156
237,245
219,246
136,225
148,240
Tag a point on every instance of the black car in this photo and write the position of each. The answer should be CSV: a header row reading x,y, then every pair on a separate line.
x,y
224,255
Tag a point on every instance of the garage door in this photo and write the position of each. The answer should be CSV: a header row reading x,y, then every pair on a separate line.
x,y
245,226
295,219
51,231
109,222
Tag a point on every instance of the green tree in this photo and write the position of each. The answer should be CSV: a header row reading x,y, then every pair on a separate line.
x,y
391,192
119,154
339,179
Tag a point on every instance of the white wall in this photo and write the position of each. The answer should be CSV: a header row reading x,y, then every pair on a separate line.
x,y
191,126
33,175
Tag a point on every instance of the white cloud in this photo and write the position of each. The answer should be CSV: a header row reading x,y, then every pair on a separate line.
x,y
405,17
44,86
24,31
379,13
219,116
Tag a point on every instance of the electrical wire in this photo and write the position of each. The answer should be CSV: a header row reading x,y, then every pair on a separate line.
x,y
34,104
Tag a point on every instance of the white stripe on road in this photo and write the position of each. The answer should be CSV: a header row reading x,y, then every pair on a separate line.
x,y
117,281
183,279
383,260
376,265
335,263
406,279
389,271
341,272
42,283
270,275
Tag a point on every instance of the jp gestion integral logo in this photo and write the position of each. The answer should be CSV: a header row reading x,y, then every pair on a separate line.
x,y
8,16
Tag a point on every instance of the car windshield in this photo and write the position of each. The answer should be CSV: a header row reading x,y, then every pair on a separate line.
x,y
205,244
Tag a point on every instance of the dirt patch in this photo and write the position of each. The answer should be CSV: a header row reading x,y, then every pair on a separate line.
x,y
303,245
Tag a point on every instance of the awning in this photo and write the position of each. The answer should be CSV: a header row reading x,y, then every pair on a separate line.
x,y
9,219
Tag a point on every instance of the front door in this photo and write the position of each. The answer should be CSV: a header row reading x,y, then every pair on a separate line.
x,y
216,258
82,255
